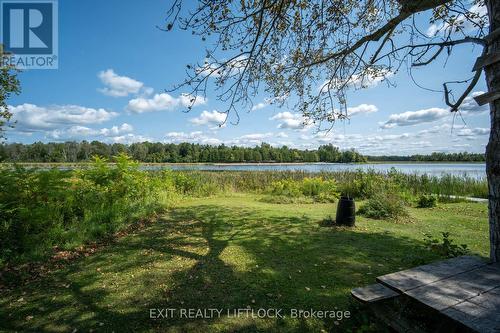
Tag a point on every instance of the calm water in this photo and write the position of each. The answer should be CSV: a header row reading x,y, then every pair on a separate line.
x,y
475,170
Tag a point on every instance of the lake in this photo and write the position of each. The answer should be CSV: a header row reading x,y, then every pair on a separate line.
x,y
474,170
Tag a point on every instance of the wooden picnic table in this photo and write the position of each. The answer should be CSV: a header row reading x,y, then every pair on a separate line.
x,y
464,289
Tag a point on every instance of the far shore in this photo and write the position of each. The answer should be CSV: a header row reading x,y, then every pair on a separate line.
x,y
244,163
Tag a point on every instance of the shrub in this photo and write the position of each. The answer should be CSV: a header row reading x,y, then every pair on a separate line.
x,y
319,189
45,208
427,201
384,206
285,187
445,247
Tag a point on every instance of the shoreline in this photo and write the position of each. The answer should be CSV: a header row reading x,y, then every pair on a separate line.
x,y
240,163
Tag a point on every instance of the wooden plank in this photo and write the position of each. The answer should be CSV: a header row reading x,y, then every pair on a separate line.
x,y
476,317
489,300
486,60
441,294
458,288
483,279
488,325
373,293
416,277
487,97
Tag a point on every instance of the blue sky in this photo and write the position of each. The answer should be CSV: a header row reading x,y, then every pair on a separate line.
x,y
115,64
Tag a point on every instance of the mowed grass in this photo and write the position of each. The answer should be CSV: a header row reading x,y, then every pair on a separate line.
x,y
231,252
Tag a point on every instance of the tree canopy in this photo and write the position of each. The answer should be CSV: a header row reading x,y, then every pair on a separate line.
x,y
317,49
156,152
172,153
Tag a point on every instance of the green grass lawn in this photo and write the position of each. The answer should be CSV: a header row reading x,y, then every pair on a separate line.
x,y
234,252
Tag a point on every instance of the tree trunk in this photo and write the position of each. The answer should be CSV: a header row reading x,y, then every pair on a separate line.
x,y
493,148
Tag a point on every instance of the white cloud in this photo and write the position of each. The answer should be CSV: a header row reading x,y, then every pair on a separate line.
x,y
159,102
255,139
116,130
468,107
187,100
247,140
80,132
192,137
434,129
438,138
472,132
410,118
71,133
361,109
290,120
30,117
259,106
183,135
119,86
462,146
370,79
130,138
213,118
163,102
257,136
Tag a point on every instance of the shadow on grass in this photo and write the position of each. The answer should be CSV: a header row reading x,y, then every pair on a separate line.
x,y
204,257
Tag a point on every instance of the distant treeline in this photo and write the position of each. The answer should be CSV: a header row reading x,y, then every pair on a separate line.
x,y
148,152
434,157
71,152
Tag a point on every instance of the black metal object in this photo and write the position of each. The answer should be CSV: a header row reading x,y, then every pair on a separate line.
x,y
346,212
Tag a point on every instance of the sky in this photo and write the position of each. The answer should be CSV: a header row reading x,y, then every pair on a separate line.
x,y
115,67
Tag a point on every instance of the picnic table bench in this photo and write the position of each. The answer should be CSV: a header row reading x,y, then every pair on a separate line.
x,y
463,290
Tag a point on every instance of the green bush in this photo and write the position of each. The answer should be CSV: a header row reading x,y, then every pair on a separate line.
x,y
445,247
286,187
384,206
427,201
41,209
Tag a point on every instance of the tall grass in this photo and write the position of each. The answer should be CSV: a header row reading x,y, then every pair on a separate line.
x,y
358,184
